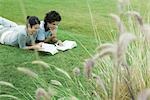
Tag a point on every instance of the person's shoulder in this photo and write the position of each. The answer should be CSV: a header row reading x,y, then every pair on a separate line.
x,y
22,30
21,27
41,30
41,21
42,24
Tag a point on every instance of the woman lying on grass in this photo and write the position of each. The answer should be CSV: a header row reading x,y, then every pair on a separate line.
x,y
20,35
48,28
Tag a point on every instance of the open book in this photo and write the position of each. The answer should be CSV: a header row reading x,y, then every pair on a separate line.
x,y
49,48
66,45
53,49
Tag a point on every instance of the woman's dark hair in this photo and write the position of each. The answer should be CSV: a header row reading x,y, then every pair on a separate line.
x,y
32,20
50,17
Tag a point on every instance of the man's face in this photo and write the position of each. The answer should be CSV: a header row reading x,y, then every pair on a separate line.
x,y
53,25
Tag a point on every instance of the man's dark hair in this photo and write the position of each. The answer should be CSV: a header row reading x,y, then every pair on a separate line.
x,y
50,17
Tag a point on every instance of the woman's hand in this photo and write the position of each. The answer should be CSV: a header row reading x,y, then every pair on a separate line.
x,y
35,46
53,30
38,46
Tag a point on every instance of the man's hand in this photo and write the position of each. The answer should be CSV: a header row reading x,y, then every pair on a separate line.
x,y
59,43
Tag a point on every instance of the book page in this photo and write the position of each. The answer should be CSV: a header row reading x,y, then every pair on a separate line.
x,y
67,45
54,49
49,48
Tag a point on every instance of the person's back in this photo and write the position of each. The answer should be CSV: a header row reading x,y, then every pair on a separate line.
x,y
7,23
10,37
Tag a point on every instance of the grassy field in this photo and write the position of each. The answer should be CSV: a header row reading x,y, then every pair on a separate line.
x,y
85,21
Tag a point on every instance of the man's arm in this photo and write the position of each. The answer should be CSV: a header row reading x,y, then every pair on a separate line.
x,y
53,37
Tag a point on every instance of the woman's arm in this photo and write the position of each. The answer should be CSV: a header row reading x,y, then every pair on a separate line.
x,y
22,43
51,38
36,46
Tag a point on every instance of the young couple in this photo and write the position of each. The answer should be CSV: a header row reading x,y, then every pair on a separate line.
x,y
33,34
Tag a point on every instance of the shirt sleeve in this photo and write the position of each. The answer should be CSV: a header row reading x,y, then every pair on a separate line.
x,y
48,33
40,35
22,41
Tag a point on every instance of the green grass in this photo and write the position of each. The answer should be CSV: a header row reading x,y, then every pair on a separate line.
x,y
76,25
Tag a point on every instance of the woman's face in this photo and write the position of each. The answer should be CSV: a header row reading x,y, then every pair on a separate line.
x,y
34,29
53,25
